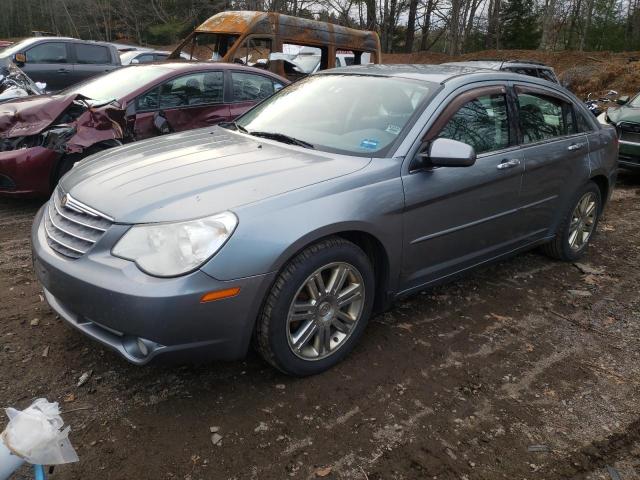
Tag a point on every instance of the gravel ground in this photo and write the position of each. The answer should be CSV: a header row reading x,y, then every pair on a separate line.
x,y
528,369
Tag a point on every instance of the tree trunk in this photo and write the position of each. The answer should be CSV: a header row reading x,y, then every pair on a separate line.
x,y
411,26
426,25
547,41
454,28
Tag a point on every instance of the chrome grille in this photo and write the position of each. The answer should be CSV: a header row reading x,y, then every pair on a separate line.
x,y
72,228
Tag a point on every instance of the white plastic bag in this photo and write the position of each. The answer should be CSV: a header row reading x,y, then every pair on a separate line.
x,y
35,434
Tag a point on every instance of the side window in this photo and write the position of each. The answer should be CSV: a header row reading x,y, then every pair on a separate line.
x,y
582,123
148,101
248,86
144,58
547,75
52,52
543,117
161,56
482,123
195,89
92,54
254,52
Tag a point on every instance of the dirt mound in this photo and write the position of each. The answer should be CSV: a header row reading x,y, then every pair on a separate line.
x,y
582,72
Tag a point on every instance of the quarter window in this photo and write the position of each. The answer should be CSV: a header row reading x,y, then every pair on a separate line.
x,y
482,123
247,86
53,52
92,54
543,117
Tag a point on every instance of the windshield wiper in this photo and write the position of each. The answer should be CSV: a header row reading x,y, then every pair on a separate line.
x,y
233,125
281,137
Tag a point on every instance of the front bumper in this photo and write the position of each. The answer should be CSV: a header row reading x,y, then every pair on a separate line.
x,y
27,172
143,317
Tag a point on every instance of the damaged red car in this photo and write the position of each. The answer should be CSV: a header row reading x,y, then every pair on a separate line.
x,y
42,136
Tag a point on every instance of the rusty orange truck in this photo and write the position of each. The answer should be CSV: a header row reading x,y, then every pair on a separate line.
x,y
289,46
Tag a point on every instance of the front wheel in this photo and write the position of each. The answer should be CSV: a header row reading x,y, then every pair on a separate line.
x,y
317,308
578,225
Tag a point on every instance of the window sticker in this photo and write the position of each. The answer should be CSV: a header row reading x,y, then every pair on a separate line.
x,y
369,144
393,129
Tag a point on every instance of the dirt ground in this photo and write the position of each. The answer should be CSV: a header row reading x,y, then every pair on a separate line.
x,y
527,369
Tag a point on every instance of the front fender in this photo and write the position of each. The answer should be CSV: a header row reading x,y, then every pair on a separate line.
x,y
271,232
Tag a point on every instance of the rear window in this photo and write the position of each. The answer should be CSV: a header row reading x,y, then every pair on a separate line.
x,y
92,54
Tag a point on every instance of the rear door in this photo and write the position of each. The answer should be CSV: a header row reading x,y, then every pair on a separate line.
x,y
556,156
90,60
50,63
247,89
186,102
458,217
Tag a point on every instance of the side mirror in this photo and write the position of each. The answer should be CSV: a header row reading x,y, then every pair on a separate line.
x,y
20,58
443,152
161,123
623,100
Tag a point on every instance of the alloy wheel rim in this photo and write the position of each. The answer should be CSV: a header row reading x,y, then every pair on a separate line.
x,y
583,220
325,311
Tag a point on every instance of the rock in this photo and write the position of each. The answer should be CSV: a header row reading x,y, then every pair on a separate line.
x,y
579,293
216,439
281,386
214,429
262,427
323,472
538,448
84,377
45,352
35,322
588,269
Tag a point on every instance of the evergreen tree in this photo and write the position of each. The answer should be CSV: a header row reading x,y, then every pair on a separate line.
x,y
520,25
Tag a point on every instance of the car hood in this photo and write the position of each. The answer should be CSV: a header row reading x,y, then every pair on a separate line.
x,y
31,115
197,173
624,114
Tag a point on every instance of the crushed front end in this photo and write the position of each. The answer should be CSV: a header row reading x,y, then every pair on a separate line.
x,y
37,135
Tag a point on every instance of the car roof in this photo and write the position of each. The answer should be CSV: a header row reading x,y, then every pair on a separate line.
x,y
186,66
499,64
426,72
442,73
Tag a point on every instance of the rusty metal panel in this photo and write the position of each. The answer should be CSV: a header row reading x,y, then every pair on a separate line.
x,y
293,30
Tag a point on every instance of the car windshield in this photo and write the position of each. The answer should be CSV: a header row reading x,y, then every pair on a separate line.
x,y
118,83
359,114
635,101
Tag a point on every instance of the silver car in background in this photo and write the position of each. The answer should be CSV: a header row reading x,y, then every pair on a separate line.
x,y
321,205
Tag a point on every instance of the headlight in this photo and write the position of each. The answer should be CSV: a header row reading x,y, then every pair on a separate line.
x,y
171,249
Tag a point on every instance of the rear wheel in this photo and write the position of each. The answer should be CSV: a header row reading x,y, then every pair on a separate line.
x,y
317,309
578,225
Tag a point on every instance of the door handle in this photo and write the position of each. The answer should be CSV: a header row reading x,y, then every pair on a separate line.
x,y
508,164
575,146
63,70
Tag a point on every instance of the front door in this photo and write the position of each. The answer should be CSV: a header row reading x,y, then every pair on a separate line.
x,y
49,62
458,217
190,101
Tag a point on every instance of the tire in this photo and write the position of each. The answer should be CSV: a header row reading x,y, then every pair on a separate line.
x,y
320,318
563,247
